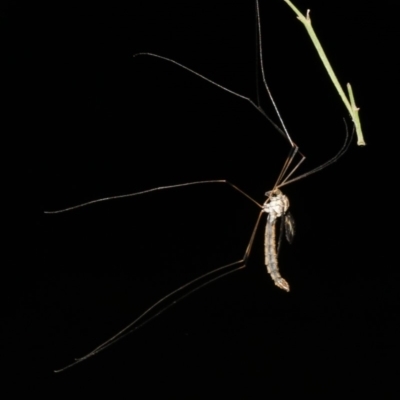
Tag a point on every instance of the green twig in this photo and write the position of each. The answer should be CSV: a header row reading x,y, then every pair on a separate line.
x,y
350,104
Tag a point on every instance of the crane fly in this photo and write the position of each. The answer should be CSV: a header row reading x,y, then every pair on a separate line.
x,y
276,206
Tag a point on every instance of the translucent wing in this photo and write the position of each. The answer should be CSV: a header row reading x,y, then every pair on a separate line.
x,y
290,227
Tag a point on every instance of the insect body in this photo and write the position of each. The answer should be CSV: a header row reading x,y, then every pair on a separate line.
x,y
276,206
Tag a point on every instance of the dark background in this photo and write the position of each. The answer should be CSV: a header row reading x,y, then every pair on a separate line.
x,y
99,123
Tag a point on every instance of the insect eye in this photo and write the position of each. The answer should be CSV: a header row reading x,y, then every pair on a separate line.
x,y
272,193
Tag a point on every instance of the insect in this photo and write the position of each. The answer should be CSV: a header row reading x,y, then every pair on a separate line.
x,y
275,206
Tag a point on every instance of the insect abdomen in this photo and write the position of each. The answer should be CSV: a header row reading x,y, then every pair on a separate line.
x,y
271,259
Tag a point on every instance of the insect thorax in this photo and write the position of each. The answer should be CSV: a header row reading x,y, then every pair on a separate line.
x,y
277,203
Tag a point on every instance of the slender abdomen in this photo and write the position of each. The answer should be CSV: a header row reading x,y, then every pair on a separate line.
x,y
271,259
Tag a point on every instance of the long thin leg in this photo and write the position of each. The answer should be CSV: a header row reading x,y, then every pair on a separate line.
x,y
255,105
289,159
288,162
284,180
294,169
336,157
260,53
154,190
169,300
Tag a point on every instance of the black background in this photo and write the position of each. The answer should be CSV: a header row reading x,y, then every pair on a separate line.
x,y
101,123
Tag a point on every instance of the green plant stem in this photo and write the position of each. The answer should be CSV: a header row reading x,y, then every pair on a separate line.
x,y
350,104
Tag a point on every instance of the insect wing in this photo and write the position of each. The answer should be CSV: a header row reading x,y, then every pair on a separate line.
x,y
281,229
290,227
